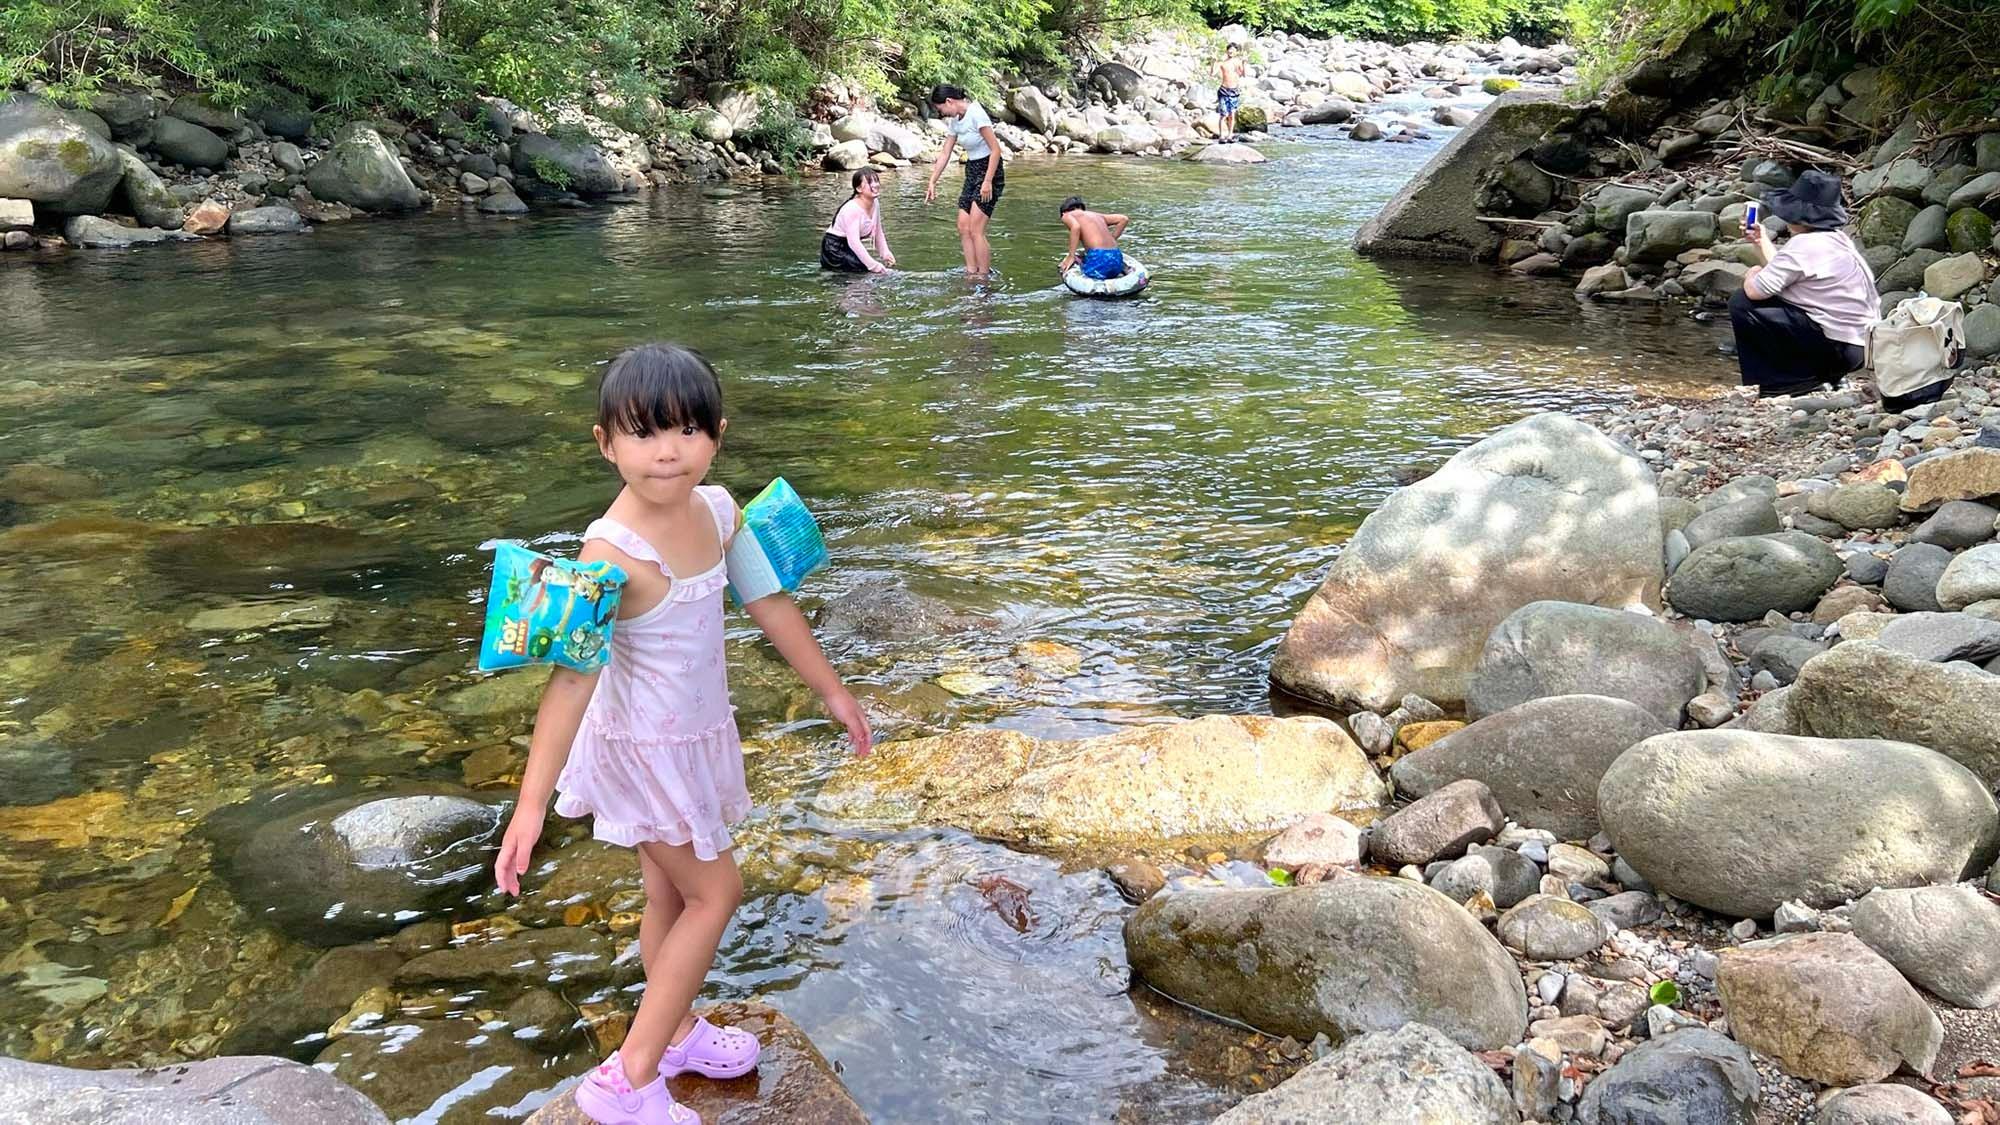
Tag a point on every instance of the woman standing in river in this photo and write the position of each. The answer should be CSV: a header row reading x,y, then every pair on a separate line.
x,y
985,178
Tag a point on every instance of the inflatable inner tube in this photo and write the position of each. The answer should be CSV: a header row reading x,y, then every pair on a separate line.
x,y
1126,284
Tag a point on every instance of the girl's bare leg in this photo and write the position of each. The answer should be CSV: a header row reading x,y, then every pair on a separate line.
x,y
710,891
663,908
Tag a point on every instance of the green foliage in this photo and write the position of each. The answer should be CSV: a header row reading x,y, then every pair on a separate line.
x,y
779,132
549,172
1942,56
1395,20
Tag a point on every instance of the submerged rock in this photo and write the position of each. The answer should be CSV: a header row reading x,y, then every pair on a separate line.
x,y
557,956
885,612
448,1071
1345,957
252,558
234,1090
792,1085
1545,508
357,868
1414,1073
1208,776
1740,822
1542,759
1827,1008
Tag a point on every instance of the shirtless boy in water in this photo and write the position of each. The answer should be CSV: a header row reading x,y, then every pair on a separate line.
x,y
1229,95
1098,236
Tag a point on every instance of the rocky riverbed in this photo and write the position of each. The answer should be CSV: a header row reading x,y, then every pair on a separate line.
x,y
142,166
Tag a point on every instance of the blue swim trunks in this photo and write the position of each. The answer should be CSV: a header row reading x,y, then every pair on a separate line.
x,y
1103,265
1227,101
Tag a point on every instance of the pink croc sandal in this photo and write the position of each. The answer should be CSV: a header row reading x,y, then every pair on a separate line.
x,y
718,1052
607,1097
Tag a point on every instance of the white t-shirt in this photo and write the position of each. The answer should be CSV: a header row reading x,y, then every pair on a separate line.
x,y
1824,274
966,129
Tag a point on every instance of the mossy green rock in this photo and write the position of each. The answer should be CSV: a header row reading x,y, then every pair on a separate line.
x,y
361,170
1497,86
1251,118
1968,230
54,158
147,196
1885,219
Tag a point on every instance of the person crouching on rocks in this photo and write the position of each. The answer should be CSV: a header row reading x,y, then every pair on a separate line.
x,y
1802,317
844,247
1093,240
985,178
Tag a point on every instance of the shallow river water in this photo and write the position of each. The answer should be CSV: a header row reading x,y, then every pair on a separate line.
x,y
1146,490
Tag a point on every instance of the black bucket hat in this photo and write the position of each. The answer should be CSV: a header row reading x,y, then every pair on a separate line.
x,y
1813,200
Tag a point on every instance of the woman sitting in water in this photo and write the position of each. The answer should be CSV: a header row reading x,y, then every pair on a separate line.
x,y
859,220
1802,317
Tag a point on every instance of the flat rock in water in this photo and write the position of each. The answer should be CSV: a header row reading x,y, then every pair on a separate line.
x,y
1345,957
358,868
894,613
792,1085
1411,600
1860,689
558,956
252,558
1206,776
1552,648
1945,938
1440,825
425,1069
1689,1077
1414,1073
1228,154
1827,1008
233,1090
1740,822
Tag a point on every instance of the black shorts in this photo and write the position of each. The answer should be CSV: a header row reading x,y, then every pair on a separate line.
x,y
836,254
975,175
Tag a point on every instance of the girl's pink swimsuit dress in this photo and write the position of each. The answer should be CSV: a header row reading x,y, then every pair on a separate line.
x,y
657,758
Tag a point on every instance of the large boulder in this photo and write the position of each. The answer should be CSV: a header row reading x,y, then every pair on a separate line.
x,y
1119,82
147,195
1740,822
354,869
1555,648
1653,237
1826,1008
1136,136
52,157
1357,954
185,143
1862,689
234,1090
1945,938
1414,1073
846,155
1206,776
1545,508
1437,213
569,165
1744,578
1542,760
794,1083
1034,108
361,170
1689,1077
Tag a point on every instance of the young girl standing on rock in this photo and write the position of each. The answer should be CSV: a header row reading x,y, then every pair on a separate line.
x,y
648,745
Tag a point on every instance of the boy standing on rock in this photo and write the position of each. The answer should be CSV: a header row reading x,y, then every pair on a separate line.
x,y
1229,94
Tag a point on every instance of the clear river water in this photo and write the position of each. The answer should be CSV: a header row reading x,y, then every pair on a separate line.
x,y
1135,495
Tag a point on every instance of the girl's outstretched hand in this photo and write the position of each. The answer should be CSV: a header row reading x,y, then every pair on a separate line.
x,y
847,711
523,830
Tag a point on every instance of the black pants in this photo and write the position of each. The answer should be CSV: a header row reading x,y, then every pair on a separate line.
x,y
1782,351
836,254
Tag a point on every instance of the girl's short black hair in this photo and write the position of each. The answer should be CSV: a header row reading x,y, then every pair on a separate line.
x,y
660,387
944,92
869,173
1073,203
